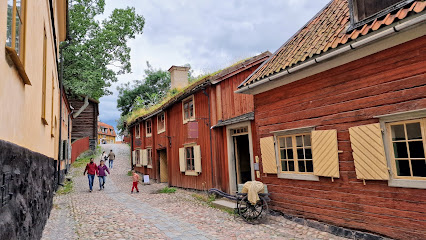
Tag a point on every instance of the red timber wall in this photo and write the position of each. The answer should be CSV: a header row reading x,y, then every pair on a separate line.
x,y
393,80
179,136
156,142
225,105
79,146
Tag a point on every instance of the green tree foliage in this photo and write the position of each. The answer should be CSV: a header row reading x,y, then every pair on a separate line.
x,y
98,51
143,93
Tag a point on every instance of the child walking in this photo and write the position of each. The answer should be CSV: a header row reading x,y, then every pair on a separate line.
x,y
135,178
102,175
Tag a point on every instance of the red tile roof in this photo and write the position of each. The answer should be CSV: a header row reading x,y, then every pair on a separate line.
x,y
327,30
108,127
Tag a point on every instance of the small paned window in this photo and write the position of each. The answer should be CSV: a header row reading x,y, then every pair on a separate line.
x,y
16,26
161,123
138,131
189,158
408,148
148,127
296,153
188,109
149,152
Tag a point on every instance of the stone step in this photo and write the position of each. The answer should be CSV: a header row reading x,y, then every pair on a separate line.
x,y
225,204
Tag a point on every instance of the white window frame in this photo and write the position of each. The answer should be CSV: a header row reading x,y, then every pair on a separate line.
x,y
295,175
394,180
190,172
149,156
146,128
158,123
138,133
183,109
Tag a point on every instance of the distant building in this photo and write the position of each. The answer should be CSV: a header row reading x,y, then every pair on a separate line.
x,y
85,119
106,133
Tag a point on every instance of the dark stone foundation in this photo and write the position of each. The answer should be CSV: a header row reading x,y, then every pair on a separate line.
x,y
27,184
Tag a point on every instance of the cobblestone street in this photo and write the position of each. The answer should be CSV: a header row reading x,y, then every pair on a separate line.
x,y
115,213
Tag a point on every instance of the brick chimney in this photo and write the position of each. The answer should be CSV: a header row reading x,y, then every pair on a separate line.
x,y
178,76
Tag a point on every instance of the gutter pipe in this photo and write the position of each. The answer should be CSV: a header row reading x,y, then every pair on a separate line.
x,y
398,27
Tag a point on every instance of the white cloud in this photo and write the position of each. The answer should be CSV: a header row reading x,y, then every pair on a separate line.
x,y
208,34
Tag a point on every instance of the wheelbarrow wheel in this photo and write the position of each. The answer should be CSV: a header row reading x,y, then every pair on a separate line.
x,y
250,212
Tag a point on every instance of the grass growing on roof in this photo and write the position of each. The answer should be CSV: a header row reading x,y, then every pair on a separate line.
x,y
136,113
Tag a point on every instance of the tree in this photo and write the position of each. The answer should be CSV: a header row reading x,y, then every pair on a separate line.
x,y
98,50
143,93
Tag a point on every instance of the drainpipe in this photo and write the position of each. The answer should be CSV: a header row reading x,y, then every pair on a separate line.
x,y
210,133
69,139
131,149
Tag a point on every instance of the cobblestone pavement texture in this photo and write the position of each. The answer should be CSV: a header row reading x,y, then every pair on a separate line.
x,y
115,213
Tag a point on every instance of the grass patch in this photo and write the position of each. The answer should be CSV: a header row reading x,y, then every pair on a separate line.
x,y
167,190
67,188
85,157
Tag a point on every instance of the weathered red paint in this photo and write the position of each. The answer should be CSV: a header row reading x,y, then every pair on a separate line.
x,y
79,146
393,80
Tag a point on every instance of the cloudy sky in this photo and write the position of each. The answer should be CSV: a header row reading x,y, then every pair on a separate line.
x,y
208,34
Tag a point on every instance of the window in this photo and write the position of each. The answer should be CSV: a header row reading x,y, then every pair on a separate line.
x,y
188,109
295,153
189,158
407,148
138,131
138,157
148,127
149,151
52,129
363,9
16,27
161,123
43,95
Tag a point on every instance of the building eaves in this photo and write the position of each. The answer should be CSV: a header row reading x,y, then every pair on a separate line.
x,y
326,31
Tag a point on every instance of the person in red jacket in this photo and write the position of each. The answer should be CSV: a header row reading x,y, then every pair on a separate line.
x,y
91,170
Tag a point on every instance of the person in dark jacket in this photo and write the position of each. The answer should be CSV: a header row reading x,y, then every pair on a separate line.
x,y
91,170
102,174
111,157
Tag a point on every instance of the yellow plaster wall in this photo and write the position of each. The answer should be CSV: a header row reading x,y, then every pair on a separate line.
x,y
20,114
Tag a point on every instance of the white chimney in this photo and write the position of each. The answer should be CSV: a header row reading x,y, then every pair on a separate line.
x,y
178,77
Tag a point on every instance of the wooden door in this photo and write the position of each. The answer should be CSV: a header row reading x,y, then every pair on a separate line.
x,y
163,166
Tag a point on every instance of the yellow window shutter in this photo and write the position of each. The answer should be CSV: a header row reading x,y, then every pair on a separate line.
x,y
197,158
267,150
325,153
182,159
133,157
144,157
368,152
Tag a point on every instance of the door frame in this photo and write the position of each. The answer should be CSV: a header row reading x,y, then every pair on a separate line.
x,y
231,153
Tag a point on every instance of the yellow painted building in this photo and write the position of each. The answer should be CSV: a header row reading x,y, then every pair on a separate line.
x,y
29,84
106,133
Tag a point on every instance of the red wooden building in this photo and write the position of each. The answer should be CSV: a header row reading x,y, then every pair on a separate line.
x,y
203,136
340,115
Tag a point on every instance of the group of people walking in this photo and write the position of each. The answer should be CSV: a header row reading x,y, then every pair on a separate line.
x,y
100,170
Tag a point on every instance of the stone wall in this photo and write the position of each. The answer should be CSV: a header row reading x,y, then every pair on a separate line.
x,y
27,183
